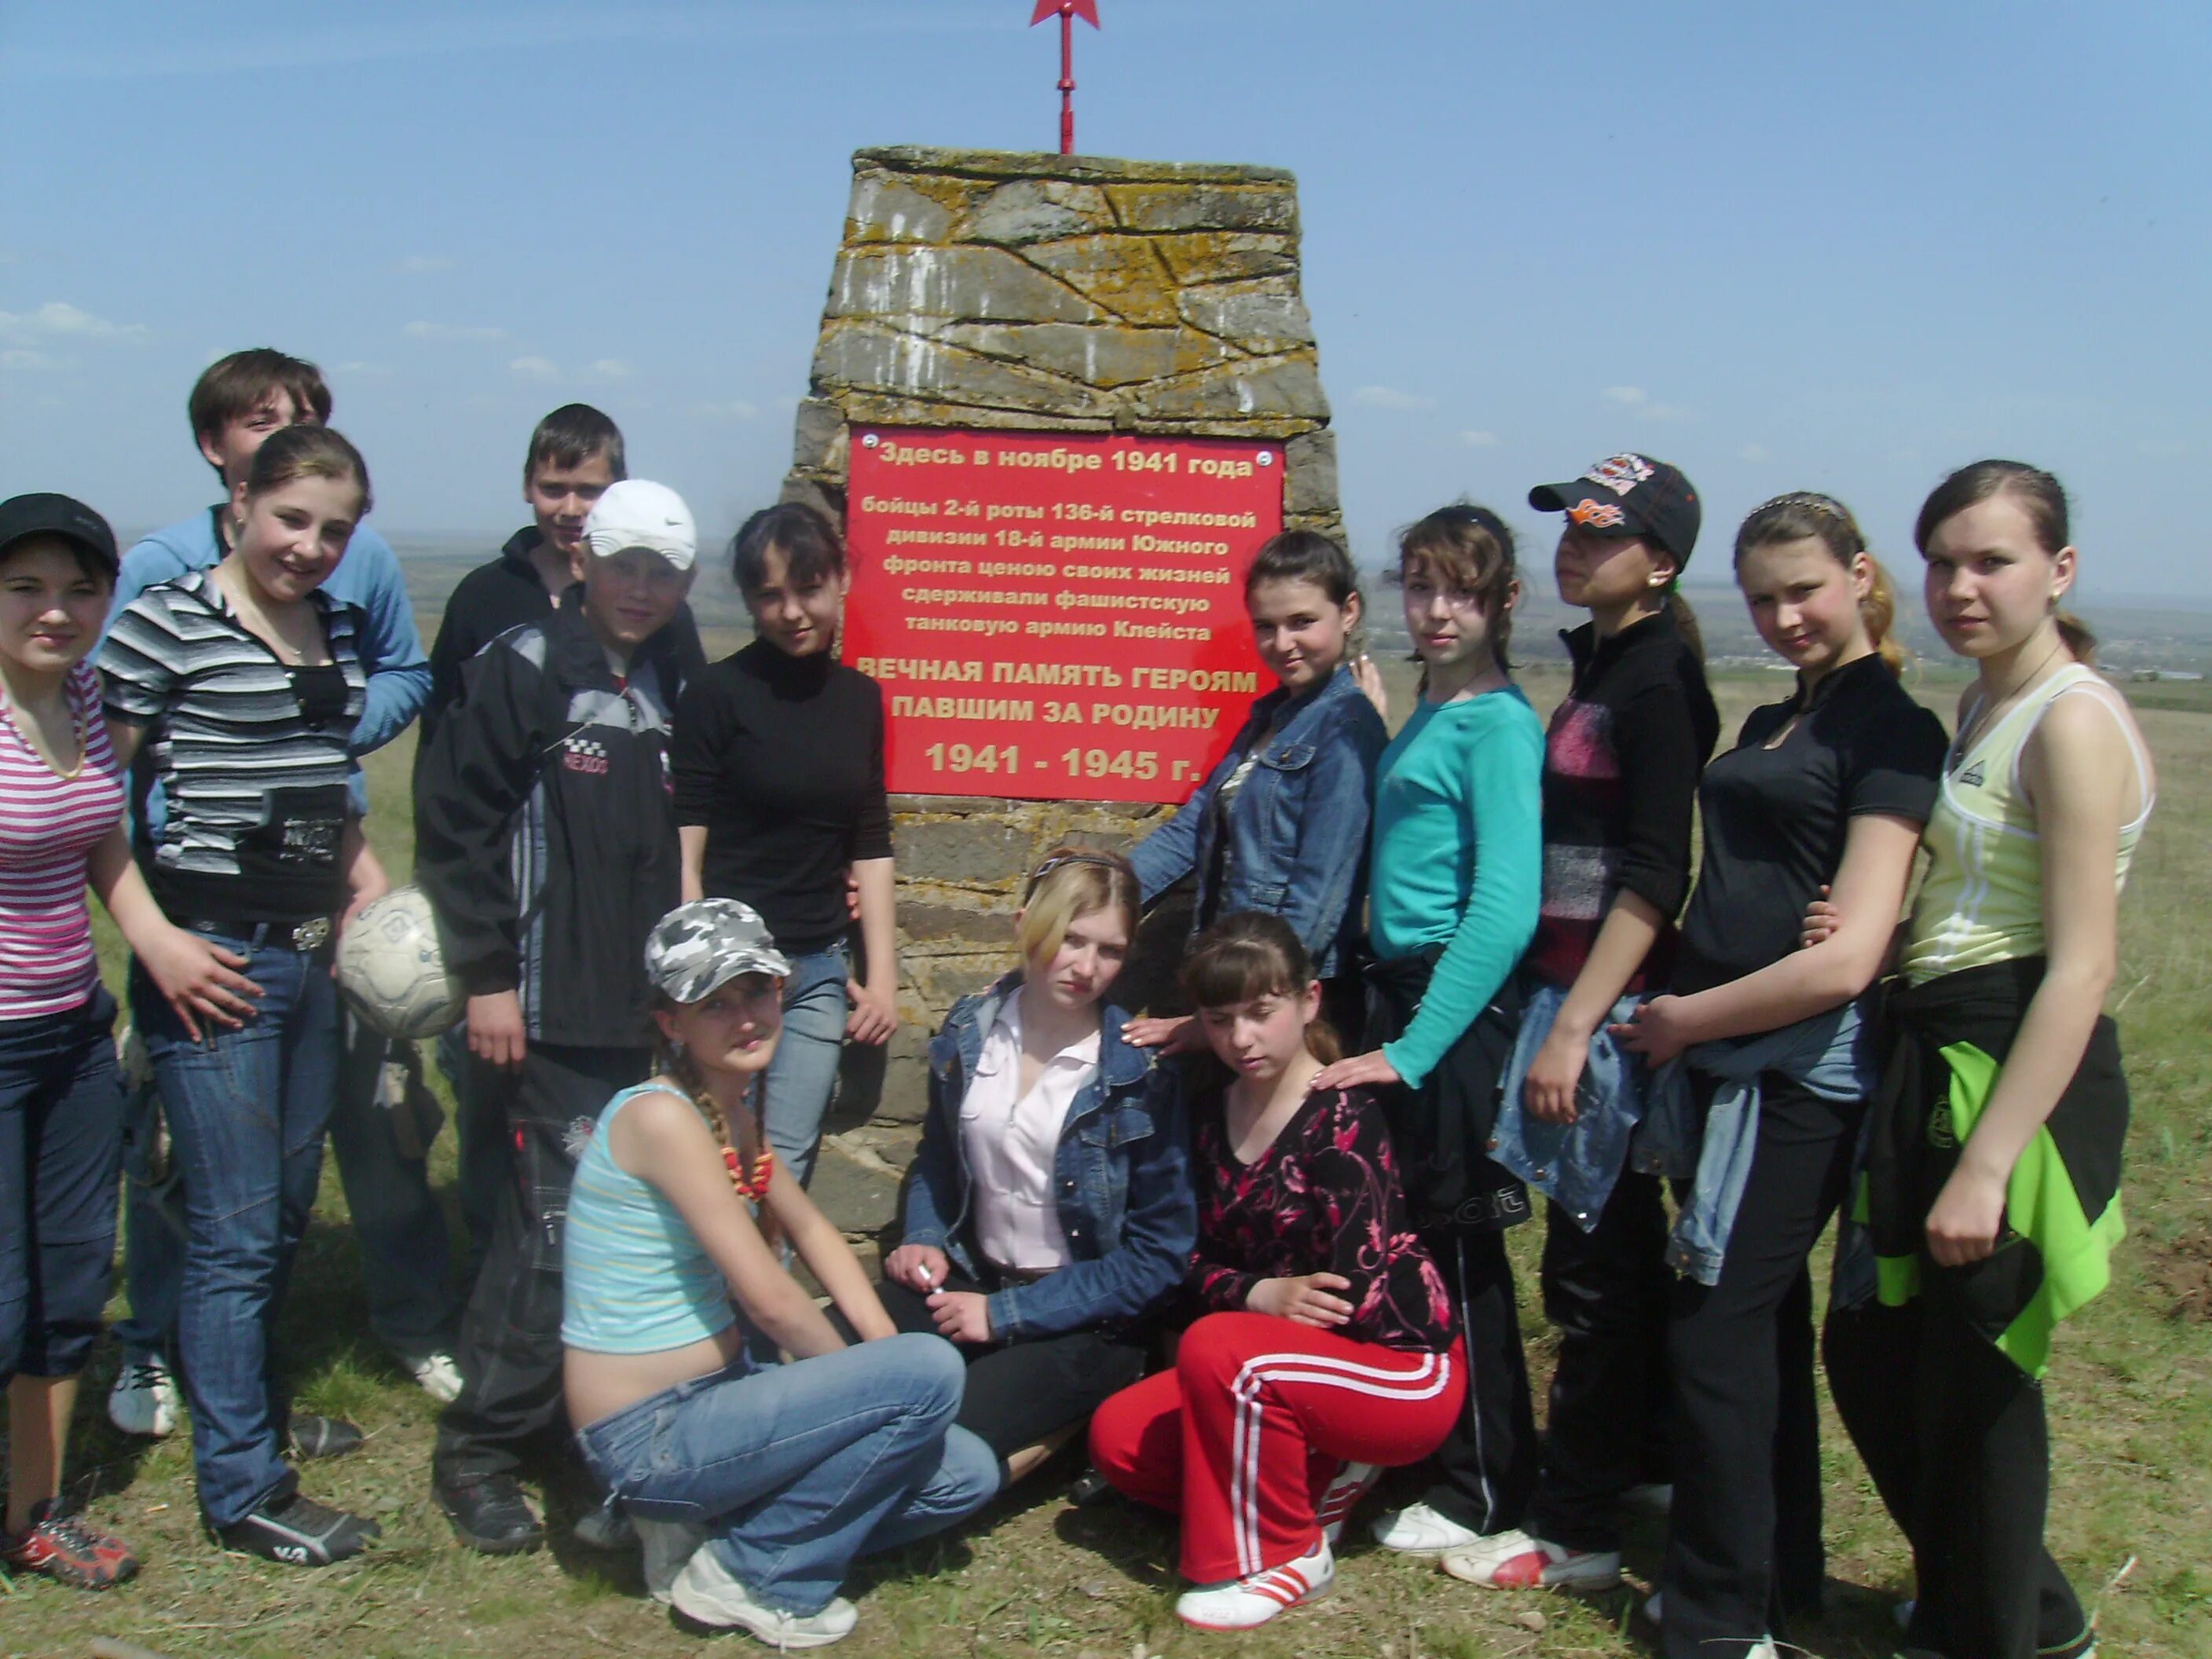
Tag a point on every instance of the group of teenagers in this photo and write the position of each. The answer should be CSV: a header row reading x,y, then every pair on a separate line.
x,y
1254,1241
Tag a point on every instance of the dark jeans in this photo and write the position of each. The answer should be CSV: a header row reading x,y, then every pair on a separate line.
x,y
1744,1533
1017,1393
1607,1292
247,1109
480,1139
1955,1436
509,1350
61,1142
1484,1473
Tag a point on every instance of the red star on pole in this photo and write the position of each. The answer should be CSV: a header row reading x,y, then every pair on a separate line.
x,y
1067,11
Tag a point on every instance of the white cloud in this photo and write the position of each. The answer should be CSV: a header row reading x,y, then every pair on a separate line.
x,y
1754,452
1629,395
609,368
1637,399
19,357
451,331
1386,397
421,264
58,319
534,368
1475,440
736,409
357,367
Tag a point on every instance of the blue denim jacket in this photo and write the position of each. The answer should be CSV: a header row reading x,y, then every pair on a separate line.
x,y
1573,1164
1827,1056
1297,827
1123,1171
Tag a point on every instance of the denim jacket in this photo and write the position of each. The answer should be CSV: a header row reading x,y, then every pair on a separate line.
x,y
1573,1164
1827,1055
1123,1171
1298,826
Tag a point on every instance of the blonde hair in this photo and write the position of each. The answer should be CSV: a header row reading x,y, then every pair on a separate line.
x,y
674,1061
1808,515
1070,882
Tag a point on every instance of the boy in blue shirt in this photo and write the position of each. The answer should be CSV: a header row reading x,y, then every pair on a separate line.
x,y
236,403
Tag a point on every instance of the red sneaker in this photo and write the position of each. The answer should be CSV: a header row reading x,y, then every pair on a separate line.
x,y
65,1549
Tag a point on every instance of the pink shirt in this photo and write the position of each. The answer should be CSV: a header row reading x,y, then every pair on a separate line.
x,y
1011,1140
48,825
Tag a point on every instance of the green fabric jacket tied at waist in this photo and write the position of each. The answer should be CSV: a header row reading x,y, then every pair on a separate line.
x,y
1946,1043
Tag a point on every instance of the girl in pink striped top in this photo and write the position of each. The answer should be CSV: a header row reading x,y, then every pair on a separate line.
x,y
61,1101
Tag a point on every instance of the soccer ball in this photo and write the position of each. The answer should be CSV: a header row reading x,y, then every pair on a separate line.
x,y
393,971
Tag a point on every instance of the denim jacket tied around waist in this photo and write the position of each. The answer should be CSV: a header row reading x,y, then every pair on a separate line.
x,y
1827,1055
1298,826
1573,1164
1121,1175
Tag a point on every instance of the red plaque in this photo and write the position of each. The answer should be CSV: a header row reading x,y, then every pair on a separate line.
x,y
1056,616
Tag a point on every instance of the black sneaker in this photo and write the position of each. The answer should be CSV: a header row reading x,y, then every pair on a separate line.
x,y
322,1436
490,1514
299,1533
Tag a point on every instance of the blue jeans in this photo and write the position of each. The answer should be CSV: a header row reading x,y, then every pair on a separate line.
x,y
248,1110
796,1469
61,1136
805,1069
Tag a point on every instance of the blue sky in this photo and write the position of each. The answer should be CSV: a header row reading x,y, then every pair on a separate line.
x,y
1786,246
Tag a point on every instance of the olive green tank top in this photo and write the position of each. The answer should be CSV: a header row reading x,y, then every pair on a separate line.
x,y
1983,898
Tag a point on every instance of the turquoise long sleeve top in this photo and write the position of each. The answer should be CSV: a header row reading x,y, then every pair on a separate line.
x,y
1459,858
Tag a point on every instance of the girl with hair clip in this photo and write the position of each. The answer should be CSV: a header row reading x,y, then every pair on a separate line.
x,y
1326,1346
1280,825
1622,757
1050,1208
778,760
245,682
753,1486
1457,869
1758,1106
1992,1181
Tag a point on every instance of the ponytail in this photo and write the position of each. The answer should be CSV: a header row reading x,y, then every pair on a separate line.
x,y
1686,625
2077,635
1878,610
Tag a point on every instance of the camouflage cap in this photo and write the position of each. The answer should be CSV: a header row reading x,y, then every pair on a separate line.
x,y
698,948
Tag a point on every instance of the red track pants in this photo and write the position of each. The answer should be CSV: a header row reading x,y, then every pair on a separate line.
x,y
1253,1423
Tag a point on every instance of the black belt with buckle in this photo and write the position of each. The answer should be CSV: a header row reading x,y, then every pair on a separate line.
x,y
305,937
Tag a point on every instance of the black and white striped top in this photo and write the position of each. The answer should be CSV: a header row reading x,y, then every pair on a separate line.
x,y
251,754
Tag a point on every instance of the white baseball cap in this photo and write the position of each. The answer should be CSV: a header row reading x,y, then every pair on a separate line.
x,y
637,513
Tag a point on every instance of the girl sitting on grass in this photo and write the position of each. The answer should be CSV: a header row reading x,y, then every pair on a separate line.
x,y
783,1472
1326,1345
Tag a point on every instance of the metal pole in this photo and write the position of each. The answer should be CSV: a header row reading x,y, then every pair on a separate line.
x,y
1067,77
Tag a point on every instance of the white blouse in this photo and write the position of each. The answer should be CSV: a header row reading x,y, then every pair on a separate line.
x,y
1012,1138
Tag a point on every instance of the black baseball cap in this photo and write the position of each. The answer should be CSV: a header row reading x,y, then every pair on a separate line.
x,y
1629,495
48,514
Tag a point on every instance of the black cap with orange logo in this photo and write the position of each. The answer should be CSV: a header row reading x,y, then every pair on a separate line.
x,y
1629,495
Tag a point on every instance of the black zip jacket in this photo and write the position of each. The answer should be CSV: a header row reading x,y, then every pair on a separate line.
x,y
544,829
501,594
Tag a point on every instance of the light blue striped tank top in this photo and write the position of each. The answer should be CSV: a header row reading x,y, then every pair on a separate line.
x,y
633,1276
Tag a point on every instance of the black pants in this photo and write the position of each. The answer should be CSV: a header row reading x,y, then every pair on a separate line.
x,y
1606,1291
1955,1436
1019,1392
1484,1473
509,1351
1744,1534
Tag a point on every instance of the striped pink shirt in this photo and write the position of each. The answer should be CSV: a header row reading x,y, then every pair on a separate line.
x,y
48,825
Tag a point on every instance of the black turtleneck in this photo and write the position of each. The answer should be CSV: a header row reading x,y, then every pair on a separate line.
x,y
781,758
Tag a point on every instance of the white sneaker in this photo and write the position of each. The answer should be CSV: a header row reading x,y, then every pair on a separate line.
x,y
1341,1496
1653,1608
1241,1603
668,1547
1516,1560
1651,1497
705,1591
438,1376
143,1399
1417,1530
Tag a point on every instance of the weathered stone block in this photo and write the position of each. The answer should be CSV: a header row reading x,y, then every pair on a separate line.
x,y
887,209
1149,207
819,429
933,161
962,849
1038,211
1271,385
1121,273
990,930
971,282
871,359
1212,256
1104,354
1265,315
1309,483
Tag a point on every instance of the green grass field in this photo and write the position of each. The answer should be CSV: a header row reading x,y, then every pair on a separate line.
x,y
2130,1394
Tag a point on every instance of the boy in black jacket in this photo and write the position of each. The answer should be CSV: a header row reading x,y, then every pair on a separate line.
x,y
546,837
